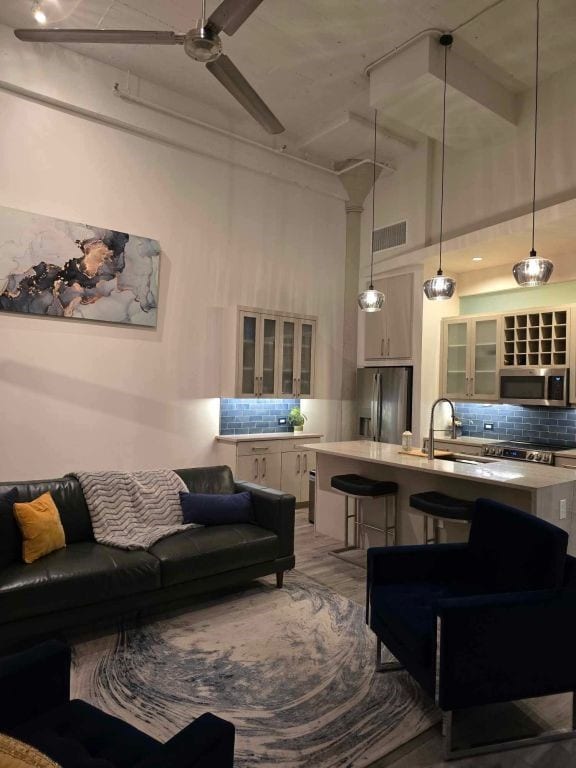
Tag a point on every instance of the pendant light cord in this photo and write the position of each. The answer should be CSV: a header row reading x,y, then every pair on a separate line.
x,y
373,200
443,155
533,252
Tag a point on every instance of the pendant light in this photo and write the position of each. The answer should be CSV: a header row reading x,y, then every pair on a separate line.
x,y
534,271
440,287
372,300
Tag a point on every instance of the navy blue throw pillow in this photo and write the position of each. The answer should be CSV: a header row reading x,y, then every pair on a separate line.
x,y
216,508
10,537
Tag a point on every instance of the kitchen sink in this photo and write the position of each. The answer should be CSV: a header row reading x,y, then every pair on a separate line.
x,y
456,458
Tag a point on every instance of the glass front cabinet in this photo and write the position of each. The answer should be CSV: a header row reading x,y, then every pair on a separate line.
x,y
275,356
471,358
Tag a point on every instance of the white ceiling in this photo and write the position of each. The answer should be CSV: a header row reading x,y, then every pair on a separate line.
x,y
307,57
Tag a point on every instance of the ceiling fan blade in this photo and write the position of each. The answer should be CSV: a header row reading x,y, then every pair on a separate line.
x,y
236,84
127,36
231,14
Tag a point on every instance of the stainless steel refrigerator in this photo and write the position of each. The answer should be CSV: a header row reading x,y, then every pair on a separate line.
x,y
384,403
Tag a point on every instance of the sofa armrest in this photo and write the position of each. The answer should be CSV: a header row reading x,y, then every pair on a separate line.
x,y
274,510
208,742
33,681
503,647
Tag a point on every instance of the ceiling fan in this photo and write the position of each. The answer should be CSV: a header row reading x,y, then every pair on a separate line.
x,y
201,43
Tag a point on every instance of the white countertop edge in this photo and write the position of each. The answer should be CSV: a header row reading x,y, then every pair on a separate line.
x,y
267,436
511,474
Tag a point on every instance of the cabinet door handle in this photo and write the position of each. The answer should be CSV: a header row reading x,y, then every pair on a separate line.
x,y
294,390
263,468
305,462
382,348
298,393
298,457
472,386
388,349
255,469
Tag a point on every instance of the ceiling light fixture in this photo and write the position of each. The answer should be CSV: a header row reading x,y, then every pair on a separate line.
x,y
534,270
38,13
477,258
372,300
441,288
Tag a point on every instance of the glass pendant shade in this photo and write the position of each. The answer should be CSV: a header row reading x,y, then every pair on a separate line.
x,y
533,271
371,300
440,287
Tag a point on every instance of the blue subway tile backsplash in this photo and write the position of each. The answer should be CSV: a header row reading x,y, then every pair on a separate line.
x,y
519,423
244,416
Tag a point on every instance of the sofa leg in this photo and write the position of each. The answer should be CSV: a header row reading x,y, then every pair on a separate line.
x,y
386,666
452,753
279,579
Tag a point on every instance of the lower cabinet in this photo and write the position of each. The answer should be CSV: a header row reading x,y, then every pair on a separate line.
x,y
295,468
264,470
276,463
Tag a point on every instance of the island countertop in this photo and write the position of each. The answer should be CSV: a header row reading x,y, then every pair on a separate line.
x,y
511,474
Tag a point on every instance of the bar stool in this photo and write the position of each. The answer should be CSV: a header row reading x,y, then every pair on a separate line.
x,y
358,488
438,507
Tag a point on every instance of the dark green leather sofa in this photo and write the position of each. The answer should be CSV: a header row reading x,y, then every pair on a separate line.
x,y
88,582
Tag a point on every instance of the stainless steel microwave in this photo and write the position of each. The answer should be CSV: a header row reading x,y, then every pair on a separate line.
x,y
534,386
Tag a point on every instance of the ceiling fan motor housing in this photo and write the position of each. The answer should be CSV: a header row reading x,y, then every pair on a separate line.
x,y
202,44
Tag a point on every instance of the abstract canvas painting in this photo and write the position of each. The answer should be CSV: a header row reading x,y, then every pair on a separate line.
x,y
63,269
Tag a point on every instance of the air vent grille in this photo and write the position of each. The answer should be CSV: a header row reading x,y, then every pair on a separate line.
x,y
389,237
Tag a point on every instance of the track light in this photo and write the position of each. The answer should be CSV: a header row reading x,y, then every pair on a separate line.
x,y
38,13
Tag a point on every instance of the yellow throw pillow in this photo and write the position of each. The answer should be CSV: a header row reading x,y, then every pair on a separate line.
x,y
17,754
41,528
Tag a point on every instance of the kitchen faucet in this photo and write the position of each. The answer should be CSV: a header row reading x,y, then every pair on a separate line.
x,y
431,433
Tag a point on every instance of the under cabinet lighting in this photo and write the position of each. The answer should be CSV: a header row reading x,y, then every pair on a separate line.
x,y
38,13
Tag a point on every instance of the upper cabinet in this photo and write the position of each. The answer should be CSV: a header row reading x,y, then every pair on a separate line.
x,y
388,333
471,358
275,355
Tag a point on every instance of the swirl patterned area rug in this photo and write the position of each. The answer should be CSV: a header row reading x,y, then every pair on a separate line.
x,y
292,668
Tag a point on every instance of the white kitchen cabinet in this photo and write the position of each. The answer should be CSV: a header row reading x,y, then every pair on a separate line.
x,y
295,468
264,469
276,462
388,333
274,354
471,358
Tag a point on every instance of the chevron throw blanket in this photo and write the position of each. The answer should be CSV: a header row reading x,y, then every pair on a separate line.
x,y
133,510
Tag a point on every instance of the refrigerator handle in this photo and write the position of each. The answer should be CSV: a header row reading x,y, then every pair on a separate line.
x,y
374,403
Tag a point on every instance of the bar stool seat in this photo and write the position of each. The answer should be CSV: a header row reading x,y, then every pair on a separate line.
x,y
438,507
359,488
356,485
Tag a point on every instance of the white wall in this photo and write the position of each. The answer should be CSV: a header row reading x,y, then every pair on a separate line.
x,y
255,230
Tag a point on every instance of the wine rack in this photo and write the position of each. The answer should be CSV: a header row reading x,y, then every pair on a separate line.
x,y
536,339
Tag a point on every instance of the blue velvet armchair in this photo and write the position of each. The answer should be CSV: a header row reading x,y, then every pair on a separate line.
x,y
492,620
35,707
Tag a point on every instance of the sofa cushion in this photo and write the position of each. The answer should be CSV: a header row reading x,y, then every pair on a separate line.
x,y
512,550
69,499
78,575
217,508
10,536
208,479
200,552
40,526
408,612
77,735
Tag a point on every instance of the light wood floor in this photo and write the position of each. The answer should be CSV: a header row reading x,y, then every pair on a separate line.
x,y
314,560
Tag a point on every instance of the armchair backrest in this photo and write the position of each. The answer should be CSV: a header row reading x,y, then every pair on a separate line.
x,y
512,550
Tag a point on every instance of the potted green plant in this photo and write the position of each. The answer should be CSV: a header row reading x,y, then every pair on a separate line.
x,y
296,419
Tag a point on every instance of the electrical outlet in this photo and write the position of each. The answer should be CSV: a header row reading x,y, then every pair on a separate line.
x,y
563,509
489,426
281,421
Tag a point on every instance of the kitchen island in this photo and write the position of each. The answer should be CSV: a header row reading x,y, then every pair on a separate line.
x,y
541,490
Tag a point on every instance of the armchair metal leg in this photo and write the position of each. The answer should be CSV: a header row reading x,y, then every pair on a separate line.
x,y
450,753
385,666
